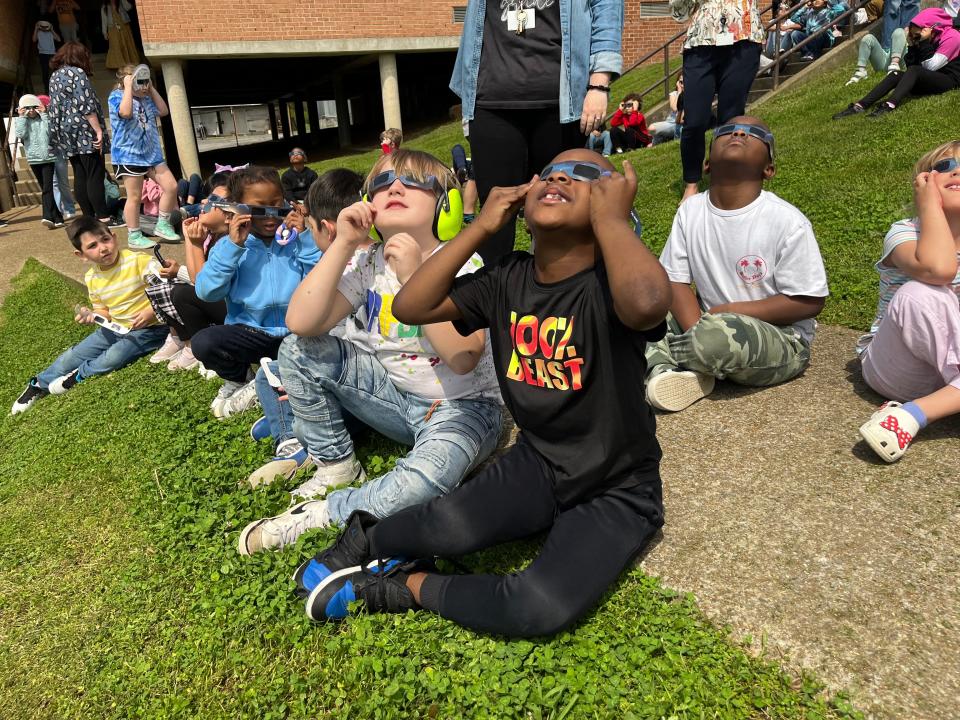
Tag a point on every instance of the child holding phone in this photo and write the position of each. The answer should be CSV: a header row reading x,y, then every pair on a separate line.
x,y
135,106
628,126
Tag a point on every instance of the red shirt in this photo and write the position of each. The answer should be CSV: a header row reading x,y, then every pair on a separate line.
x,y
634,120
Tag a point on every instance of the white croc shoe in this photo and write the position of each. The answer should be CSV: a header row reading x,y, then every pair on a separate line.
x,y
675,390
889,431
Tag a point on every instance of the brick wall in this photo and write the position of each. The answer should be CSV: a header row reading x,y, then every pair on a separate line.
x,y
642,35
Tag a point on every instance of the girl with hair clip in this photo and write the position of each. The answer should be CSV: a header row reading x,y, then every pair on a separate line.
x,y
135,106
912,353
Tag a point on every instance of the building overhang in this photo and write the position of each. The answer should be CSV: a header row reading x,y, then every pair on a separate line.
x,y
279,48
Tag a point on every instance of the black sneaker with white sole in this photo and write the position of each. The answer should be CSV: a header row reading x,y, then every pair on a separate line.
x,y
350,549
65,382
28,397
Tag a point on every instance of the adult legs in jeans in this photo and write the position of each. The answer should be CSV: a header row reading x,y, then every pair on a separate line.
x,y
230,350
103,351
731,346
326,376
88,173
587,546
61,188
727,72
896,14
509,147
188,191
44,174
663,131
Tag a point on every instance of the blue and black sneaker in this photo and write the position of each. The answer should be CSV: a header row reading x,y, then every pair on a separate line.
x,y
260,430
350,550
383,588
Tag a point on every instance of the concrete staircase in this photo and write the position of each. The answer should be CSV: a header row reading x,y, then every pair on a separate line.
x,y
28,189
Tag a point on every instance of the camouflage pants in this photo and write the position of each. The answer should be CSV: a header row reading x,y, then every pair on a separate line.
x,y
733,347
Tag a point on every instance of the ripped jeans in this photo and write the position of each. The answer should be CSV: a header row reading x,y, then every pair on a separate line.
x,y
325,376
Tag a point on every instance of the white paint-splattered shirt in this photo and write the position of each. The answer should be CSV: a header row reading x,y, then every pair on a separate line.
x,y
404,351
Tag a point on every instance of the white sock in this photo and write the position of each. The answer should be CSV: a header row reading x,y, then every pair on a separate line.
x,y
164,216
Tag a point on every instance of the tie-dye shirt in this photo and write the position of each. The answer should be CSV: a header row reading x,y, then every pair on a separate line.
x,y
136,140
893,278
719,22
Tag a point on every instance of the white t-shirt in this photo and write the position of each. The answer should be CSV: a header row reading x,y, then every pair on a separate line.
x,y
403,350
752,253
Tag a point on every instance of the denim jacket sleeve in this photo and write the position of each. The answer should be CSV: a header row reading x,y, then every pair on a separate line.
x,y
214,279
606,31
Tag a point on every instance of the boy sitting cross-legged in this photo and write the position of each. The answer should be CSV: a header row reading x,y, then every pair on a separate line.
x,y
117,291
425,386
758,272
568,327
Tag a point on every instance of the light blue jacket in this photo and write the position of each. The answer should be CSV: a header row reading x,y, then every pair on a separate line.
x,y
257,280
34,133
590,33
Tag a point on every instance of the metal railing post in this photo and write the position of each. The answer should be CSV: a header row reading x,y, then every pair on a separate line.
x,y
666,72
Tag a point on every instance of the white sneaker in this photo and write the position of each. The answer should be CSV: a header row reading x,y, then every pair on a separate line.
x,y
890,430
765,62
226,390
675,390
289,459
329,475
276,532
170,348
204,373
860,17
243,398
859,75
184,360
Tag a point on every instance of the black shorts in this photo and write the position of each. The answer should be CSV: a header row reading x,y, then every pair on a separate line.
x,y
120,169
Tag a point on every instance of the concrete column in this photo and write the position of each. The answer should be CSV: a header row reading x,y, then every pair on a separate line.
x,y
301,120
314,114
180,116
390,90
343,113
284,119
272,110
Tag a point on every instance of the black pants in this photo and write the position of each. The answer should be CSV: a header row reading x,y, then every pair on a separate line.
x,y
586,548
727,71
196,314
509,147
45,71
230,350
625,138
44,174
88,173
916,80
190,188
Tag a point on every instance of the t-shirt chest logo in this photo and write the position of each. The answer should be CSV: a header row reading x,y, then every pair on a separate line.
x,y
542,354
751,269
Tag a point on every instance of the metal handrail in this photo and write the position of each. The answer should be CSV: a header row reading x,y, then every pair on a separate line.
x,y
26,43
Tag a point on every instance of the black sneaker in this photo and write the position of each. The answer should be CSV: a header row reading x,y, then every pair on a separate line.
x,y
64,382
383,588
882,109
851,109
116,221
349,550
28,397
4,223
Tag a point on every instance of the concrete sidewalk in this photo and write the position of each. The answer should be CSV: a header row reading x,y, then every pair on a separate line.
x,y
783,525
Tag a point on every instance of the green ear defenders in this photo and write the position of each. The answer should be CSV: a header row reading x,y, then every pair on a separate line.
x,y
448,216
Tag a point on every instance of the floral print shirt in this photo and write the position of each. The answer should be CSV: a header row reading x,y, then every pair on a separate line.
x,y
71,99
719,22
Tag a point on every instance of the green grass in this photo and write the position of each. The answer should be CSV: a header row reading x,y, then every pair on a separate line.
x,y
122,595
852,178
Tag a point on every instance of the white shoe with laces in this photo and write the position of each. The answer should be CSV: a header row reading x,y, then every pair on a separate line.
x,y
330,475
183,361
284,529
244,398
289,459
225,392
859,75
171,347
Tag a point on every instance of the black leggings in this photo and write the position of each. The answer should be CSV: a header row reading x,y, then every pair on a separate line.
x,y
726,71
44,174
916,80
624,138
587,545
509,147
88,174
196,314
230,350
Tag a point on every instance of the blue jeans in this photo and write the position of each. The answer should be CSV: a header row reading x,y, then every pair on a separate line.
x,y
61,188
603,141
275,406
325,376
104,351
896,14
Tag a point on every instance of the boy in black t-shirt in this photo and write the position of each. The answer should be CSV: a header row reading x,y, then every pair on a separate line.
x,y
568,327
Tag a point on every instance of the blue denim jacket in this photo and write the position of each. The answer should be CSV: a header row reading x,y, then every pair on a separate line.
x,y
590,33
257,280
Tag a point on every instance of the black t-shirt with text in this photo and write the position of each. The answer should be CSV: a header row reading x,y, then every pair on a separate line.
x,y
520,72
570,372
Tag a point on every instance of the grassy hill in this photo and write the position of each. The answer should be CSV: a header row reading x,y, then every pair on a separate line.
x,y
122,595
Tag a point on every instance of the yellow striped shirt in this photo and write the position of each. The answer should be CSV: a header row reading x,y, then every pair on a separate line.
x,y
121,288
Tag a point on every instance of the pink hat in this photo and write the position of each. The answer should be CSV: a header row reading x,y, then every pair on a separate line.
x,y
45,99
